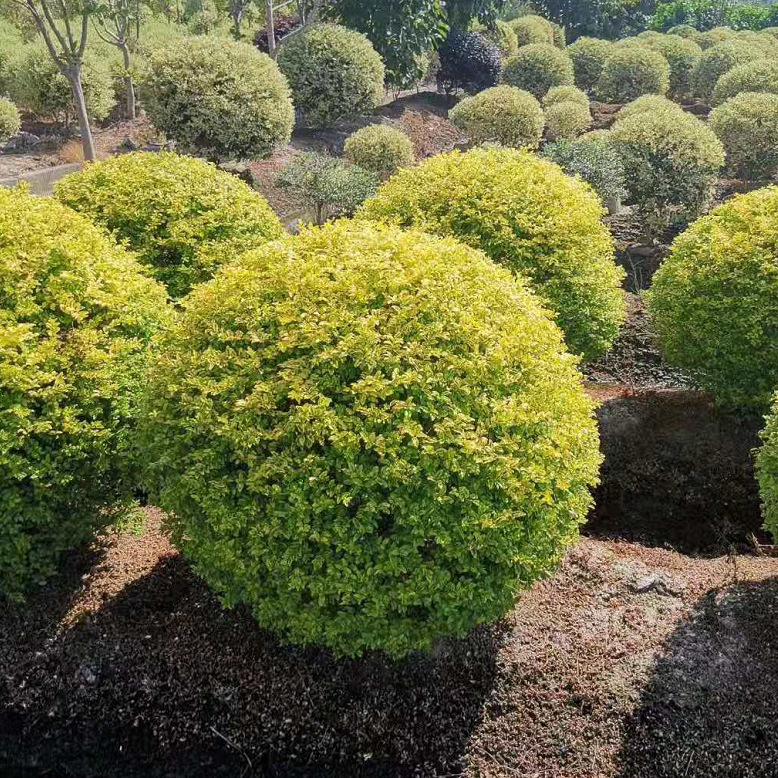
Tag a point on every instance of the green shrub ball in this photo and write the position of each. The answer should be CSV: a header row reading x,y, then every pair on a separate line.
x,y
183,217
589,56
714,301
767,472
373,438
218,98
76,313
567,119
633,70
335,73
537,68
758,76
526,214
718,60
379,149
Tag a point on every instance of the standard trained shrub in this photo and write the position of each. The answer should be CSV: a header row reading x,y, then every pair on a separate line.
x,y
218,98
10,121
682,54
538,67
747,125
758,76
589,56
532,29
565,94
717,61
502,114
468,61
633,70
182,216
567,119
714,301
380,149
525,214
75,315
374,439
671,160
335,73
767,471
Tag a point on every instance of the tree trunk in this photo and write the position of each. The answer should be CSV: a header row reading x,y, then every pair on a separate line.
x,y
271,30
237,18
74,77
129,84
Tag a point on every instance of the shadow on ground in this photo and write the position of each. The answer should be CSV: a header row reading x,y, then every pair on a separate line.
x,y
199,691
710,709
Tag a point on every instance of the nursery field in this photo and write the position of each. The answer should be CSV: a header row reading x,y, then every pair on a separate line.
x,y
388,389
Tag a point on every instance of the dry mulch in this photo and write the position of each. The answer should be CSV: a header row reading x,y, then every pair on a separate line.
x,y
629,662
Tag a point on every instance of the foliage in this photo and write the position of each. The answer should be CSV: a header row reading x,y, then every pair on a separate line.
x,y
747,125
379,149
75,315
717,61
218,98
714,301
610,19
767,472
374,439
565,94
758,76
694,14
461,13
532,29
682,54
633,70
181,216
502,114
501,35
685,31
335,73
329,185
526,214
468,61
10,42
567,119
589,56
711,38
10,121
671,160
538,67
594,160
647,103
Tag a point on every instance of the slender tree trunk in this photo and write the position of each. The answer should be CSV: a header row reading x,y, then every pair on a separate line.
x,y
129,84
271,30
74,77
237,18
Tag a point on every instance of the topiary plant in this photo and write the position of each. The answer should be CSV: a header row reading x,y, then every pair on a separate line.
x,y
538,67
672,161
501,35
711,38
767,472
714,301
182,216
758,76
565,94
649,104
502,114
589,56
372,438
76,313
10,121
380,149
747,125
567,120
335,73
468,61
633,70
218,98
685,31
717,61
532,29
682,54
525,214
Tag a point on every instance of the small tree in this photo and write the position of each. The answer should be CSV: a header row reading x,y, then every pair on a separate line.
x,y
307,10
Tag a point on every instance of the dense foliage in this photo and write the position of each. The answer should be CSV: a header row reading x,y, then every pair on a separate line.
x,y
374,439
714,301
589,56
525,214
767,471
182,216
633,70
532,29
502,114
218,98
502,36
75,315
718,60
10,121
537,68
468,61
379,149
334,73
758,76
683,55
567,119
565,94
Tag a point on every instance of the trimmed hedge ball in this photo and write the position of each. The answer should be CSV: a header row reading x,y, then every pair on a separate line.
x,y
717,61
468,61
335,73
672,161
10,120
747,125
565,94
526,214
560,36
379,149
711,38
682,54
532,29
182,216
685,31
374,439
218,98
758,76
714,301
647,103
502,36
502,114
767,472
76,313
589,56
567,120
538,67
633,70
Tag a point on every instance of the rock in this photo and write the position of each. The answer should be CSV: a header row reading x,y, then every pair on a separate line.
x,y
24,140
241,170
128,144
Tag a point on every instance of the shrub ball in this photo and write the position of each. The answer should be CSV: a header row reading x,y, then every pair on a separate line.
x,y
761,75
767,472
532,29
682,54
468,61
567,120
565,94
537,68
10,121
380,149
717,61
589,56
633,70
